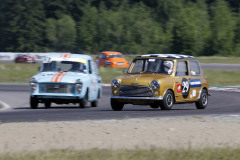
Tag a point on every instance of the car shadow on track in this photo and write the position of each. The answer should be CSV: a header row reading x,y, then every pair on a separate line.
x,y
57,107
151,110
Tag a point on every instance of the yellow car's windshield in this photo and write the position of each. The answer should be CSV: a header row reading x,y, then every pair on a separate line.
x,y
151,65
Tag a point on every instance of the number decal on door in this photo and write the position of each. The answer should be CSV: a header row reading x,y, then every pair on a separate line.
x,y
185,88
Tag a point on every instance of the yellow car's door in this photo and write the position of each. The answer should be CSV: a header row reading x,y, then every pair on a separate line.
x,y
182,83
195,79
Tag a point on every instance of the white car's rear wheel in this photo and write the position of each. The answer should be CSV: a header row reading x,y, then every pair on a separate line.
x,y
83,101
47,104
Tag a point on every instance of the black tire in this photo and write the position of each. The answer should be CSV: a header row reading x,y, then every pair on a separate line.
x,y
33,103
203,100
168,100
155,105
47,104
83,101
116,106
94,103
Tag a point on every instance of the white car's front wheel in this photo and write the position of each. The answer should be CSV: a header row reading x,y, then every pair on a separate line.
x,y
33,102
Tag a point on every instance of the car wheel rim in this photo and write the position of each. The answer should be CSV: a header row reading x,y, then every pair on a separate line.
x,y
204,99
169,100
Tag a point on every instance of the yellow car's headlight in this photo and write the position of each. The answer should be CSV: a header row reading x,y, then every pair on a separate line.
x,y
155,84
115,83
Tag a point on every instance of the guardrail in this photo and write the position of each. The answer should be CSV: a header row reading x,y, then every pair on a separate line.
x,y
10,56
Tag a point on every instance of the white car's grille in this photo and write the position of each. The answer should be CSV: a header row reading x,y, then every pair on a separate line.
x,y
56,88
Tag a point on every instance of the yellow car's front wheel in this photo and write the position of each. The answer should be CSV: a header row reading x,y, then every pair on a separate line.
x,y
116,106
167,102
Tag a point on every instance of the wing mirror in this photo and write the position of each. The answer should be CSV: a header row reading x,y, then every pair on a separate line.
x,y
124,71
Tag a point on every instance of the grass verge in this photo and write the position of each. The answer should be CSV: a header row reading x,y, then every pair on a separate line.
x,y
208,59
21,73
17,73
223,77
216,59
137,154
215,77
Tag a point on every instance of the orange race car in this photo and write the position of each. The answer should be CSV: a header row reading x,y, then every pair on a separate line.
x,y
112,59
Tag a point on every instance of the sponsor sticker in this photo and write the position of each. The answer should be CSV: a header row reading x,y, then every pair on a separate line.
x,y
179,90
194,93
151,60
195,83
47,60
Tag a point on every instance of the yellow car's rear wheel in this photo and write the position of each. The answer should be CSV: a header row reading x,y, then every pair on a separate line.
x,y
203,100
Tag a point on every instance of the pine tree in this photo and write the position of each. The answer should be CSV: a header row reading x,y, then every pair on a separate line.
x,y
222,27
25,26
61,34
191,29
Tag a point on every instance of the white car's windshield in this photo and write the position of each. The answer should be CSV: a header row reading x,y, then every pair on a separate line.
x,y
151,65
64,66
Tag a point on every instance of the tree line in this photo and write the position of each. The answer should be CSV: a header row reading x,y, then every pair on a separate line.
x,y
193,27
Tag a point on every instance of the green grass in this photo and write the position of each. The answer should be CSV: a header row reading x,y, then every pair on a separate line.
x,y
108,73
223,77
137,154
17,73
208,59
215,59
21,73
214,77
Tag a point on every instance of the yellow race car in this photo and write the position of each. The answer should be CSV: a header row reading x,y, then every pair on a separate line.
x,y
160,80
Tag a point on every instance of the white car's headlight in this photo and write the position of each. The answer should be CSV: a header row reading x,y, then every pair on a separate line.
x,y
78,85
115,83
155,84
33,84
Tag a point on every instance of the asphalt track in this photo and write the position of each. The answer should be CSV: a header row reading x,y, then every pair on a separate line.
x,y
16,97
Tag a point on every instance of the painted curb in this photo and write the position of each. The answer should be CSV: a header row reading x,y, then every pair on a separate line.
x,y
5,106
225,88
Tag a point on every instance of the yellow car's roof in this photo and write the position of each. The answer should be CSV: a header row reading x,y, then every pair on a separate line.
x,y
174,56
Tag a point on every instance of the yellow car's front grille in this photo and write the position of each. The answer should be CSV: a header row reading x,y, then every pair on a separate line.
x,y
135,91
